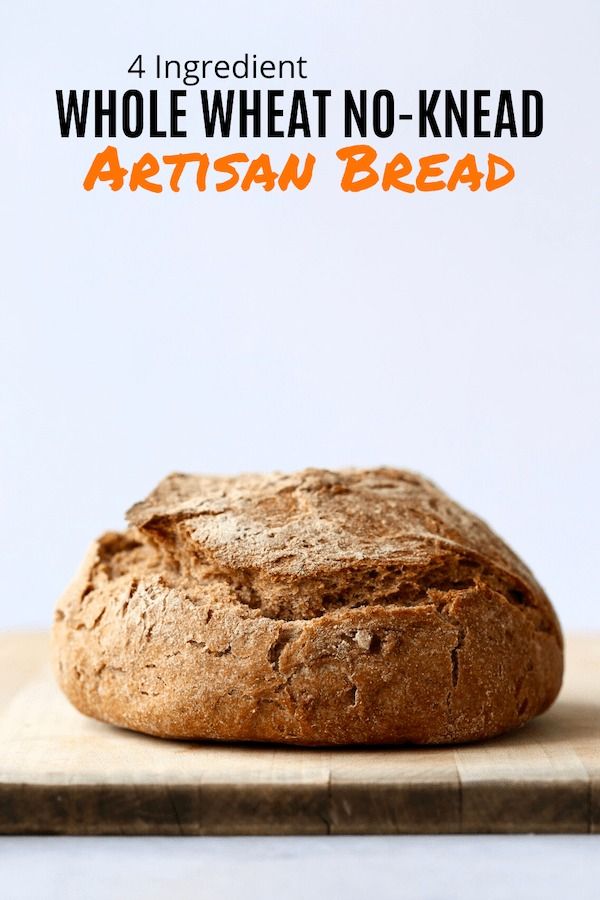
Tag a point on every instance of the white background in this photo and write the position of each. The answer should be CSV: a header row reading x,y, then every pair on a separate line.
x,y
456,334
446,867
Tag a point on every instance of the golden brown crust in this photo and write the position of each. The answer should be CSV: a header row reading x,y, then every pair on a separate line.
x,y
358,606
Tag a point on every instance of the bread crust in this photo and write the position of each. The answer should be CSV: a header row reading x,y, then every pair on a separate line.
x,y
317,608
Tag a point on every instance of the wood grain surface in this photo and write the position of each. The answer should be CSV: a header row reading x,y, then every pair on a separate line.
x,y
61,773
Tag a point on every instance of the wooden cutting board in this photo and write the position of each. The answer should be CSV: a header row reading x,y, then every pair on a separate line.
x,y
61,773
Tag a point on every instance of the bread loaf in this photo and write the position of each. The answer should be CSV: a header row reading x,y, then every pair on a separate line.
x,y
316,608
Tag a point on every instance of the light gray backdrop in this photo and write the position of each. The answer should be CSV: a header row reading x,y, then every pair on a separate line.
x,y
456,334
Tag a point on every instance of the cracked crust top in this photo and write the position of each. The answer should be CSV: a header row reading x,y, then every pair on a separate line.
x,y
357,606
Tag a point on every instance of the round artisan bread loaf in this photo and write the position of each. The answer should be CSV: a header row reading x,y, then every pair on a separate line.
x,y
318,608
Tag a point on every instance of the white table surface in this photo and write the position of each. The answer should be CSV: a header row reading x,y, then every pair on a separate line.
x,y
298,868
